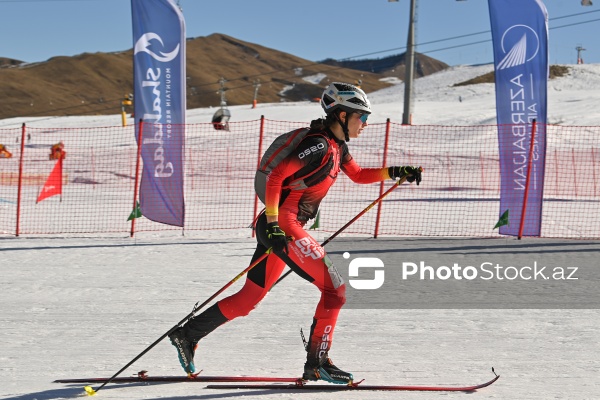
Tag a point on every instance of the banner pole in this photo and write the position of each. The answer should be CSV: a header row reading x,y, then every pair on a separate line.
x,y
60,160
594,169
20,185
527,181
137,174
574,170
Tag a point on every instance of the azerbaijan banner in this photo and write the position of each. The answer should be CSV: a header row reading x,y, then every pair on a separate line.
x,y
159,100
520,40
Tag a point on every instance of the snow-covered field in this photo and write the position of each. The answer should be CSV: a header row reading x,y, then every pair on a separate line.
x,y
81,306
572,100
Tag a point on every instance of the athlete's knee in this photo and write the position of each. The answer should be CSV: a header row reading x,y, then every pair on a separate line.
x,y
341,295
335,298
239,308
243,309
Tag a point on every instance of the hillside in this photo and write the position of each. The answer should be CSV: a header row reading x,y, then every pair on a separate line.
x,y
91,84
95,83
555,71
392,66
5,62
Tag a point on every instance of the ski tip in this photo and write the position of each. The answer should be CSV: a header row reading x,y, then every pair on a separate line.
x,y
89,391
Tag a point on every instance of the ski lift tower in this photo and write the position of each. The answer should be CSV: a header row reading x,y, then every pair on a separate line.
x,y
579,50
409,64
221,118
256,86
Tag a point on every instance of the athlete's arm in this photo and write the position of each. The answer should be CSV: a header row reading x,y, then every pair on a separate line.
x,y
361,175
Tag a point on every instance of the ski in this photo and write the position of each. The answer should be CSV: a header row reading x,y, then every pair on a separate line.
x,y
276,383
356,386
143,376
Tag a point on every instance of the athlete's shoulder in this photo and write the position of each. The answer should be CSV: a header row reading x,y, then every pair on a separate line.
x,y
314,144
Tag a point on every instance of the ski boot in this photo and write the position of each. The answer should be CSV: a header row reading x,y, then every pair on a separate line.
x,y
185,350
326,371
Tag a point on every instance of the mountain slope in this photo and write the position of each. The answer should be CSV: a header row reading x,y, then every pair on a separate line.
x,y
393,66
89,84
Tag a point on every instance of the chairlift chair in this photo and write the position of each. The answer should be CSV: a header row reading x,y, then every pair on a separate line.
x,y
221,118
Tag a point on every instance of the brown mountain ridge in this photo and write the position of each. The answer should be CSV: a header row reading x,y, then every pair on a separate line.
x,y
392,65
95,83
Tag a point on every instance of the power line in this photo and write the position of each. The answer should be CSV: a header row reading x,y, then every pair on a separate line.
x,y
574,15
576,23
469,35
487,40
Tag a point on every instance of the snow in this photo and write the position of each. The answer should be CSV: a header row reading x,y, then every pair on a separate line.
x,y
85,306
572,100
315,79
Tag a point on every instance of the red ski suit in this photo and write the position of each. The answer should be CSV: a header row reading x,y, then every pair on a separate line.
x,y
294,207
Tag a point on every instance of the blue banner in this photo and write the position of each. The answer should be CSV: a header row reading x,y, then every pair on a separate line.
x,y
520,39
159,100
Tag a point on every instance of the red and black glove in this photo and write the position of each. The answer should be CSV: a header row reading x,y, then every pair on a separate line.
x,y
276,238
413,174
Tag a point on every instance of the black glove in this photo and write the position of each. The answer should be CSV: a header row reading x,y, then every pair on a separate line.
x,y
276,238
413,173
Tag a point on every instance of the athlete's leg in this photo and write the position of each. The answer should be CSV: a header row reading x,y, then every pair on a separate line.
x,y
259,281
307,257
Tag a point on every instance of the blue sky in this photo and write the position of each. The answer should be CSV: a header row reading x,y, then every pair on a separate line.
x,y
36,30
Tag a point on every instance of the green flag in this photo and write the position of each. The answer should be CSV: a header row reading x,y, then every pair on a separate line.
x,y
136,213
502,221
315,224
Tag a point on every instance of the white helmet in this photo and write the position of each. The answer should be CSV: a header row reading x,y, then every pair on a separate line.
x,y
345,97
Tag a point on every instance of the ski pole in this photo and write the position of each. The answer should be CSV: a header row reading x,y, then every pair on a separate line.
x,y
90,391
360,214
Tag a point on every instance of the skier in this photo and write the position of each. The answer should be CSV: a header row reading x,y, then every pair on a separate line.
x,y
319,156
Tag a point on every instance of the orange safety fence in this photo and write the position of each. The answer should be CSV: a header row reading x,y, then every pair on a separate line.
x,y
459,195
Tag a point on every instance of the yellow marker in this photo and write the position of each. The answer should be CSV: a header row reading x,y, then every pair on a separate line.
x,y
89,391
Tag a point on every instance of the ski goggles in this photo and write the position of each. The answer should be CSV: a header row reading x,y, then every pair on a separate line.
x,y
363,117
